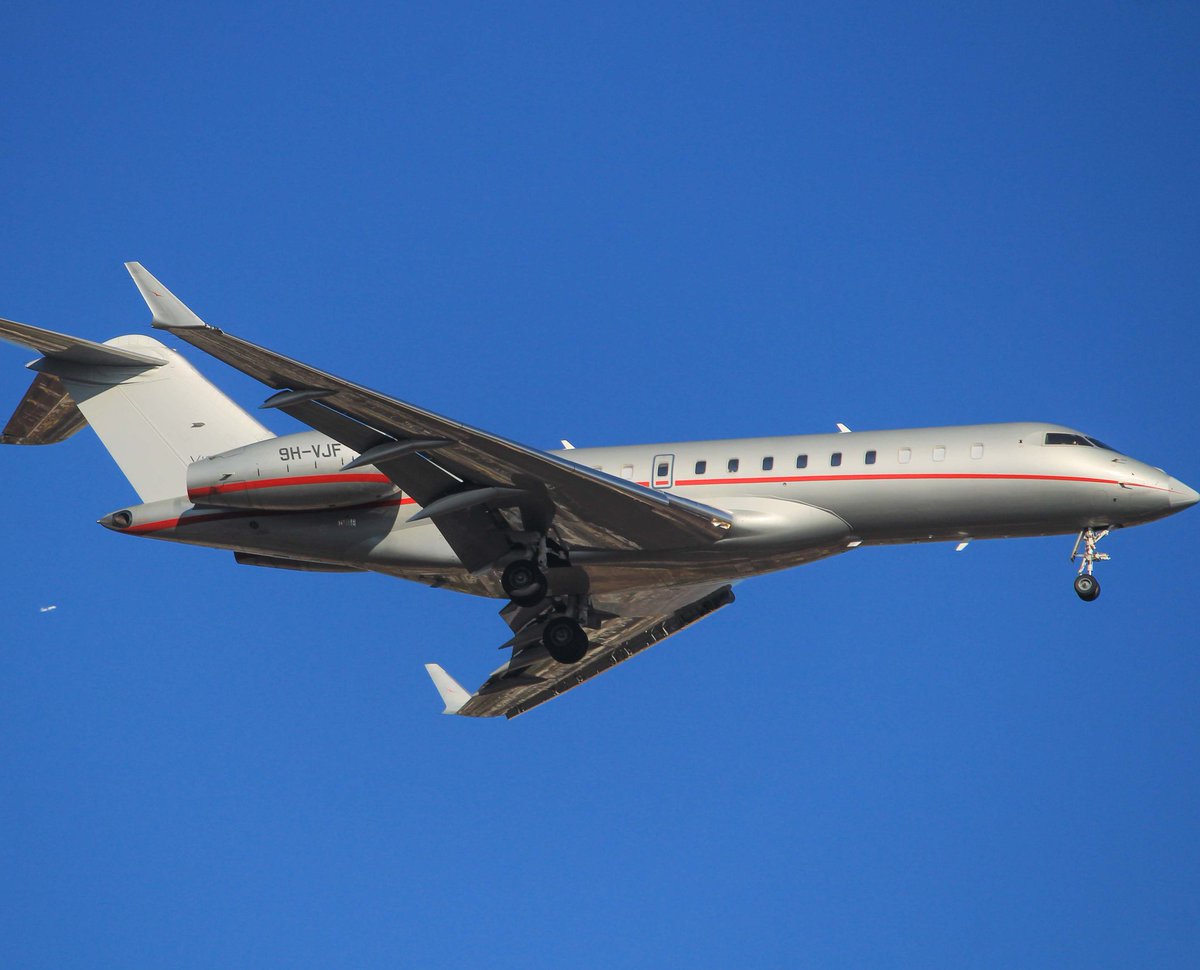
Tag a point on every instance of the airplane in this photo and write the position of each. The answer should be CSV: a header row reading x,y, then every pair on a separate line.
x,y
599,552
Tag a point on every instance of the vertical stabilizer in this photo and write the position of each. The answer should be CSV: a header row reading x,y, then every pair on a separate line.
x,y
157,421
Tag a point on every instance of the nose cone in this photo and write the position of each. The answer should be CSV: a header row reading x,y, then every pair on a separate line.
x,y
1181,496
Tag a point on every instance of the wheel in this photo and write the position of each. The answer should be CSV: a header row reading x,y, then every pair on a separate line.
x,y
1088,587
524,583
564,640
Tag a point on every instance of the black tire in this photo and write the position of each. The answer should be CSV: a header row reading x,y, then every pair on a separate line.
x,y
524,583
564,640
1087,587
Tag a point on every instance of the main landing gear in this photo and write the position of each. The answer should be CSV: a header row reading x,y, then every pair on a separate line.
x,y
523,582
1087,586
562,633
564,639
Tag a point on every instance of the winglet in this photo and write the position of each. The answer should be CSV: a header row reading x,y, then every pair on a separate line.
x,y
169,311
453,695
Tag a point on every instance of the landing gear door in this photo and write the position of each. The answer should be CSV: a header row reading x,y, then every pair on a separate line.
x,y
662,471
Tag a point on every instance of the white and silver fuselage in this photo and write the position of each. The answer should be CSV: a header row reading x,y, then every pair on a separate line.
x,y
792,499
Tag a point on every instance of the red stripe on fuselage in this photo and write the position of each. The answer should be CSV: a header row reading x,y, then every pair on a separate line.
x,y
243,513
899,476
334,479
204,517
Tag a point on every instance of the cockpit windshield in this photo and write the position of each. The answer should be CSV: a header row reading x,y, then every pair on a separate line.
x,y
1066,438
1062,438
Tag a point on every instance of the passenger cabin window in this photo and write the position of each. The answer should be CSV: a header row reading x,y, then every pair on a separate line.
x,y
835,459
701,467
627,472
939,452
662,470
733,464
904,456
768,464
977,450
870,458
802,461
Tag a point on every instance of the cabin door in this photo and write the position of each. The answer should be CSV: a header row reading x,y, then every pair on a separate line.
x,y
662,471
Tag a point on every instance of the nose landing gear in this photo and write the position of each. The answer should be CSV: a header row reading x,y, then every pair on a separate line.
x,y
1087,586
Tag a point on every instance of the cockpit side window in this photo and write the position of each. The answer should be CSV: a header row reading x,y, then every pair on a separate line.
x,y
1101,444
1062,438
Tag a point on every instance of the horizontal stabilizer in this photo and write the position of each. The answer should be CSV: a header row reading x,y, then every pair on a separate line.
x,y
46,415
454,696
154,413
76,350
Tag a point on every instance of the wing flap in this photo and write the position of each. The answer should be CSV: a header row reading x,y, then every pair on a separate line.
x,y
518,687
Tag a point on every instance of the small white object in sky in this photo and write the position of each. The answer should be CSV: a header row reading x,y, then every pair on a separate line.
x,y
47,609
567,445
842,429
962,545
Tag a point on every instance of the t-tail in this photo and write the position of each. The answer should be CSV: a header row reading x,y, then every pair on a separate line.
x,y
153,411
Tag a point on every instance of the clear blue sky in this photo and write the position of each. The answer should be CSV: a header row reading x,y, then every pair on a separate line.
x,y
631,223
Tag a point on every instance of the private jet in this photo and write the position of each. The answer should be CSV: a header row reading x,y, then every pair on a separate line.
x,y
598,553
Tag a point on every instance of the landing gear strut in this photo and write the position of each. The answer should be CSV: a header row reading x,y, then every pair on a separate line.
x,y
524,582
1087,586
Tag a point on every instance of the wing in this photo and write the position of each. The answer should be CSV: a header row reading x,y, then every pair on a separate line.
x,y
464,478
531,677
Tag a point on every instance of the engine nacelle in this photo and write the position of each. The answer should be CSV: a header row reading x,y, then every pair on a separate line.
x,y
294,472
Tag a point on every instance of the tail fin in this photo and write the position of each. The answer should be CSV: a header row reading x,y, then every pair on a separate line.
x,y
152,410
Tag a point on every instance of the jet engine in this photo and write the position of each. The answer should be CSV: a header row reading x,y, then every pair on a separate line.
x,y
290,473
